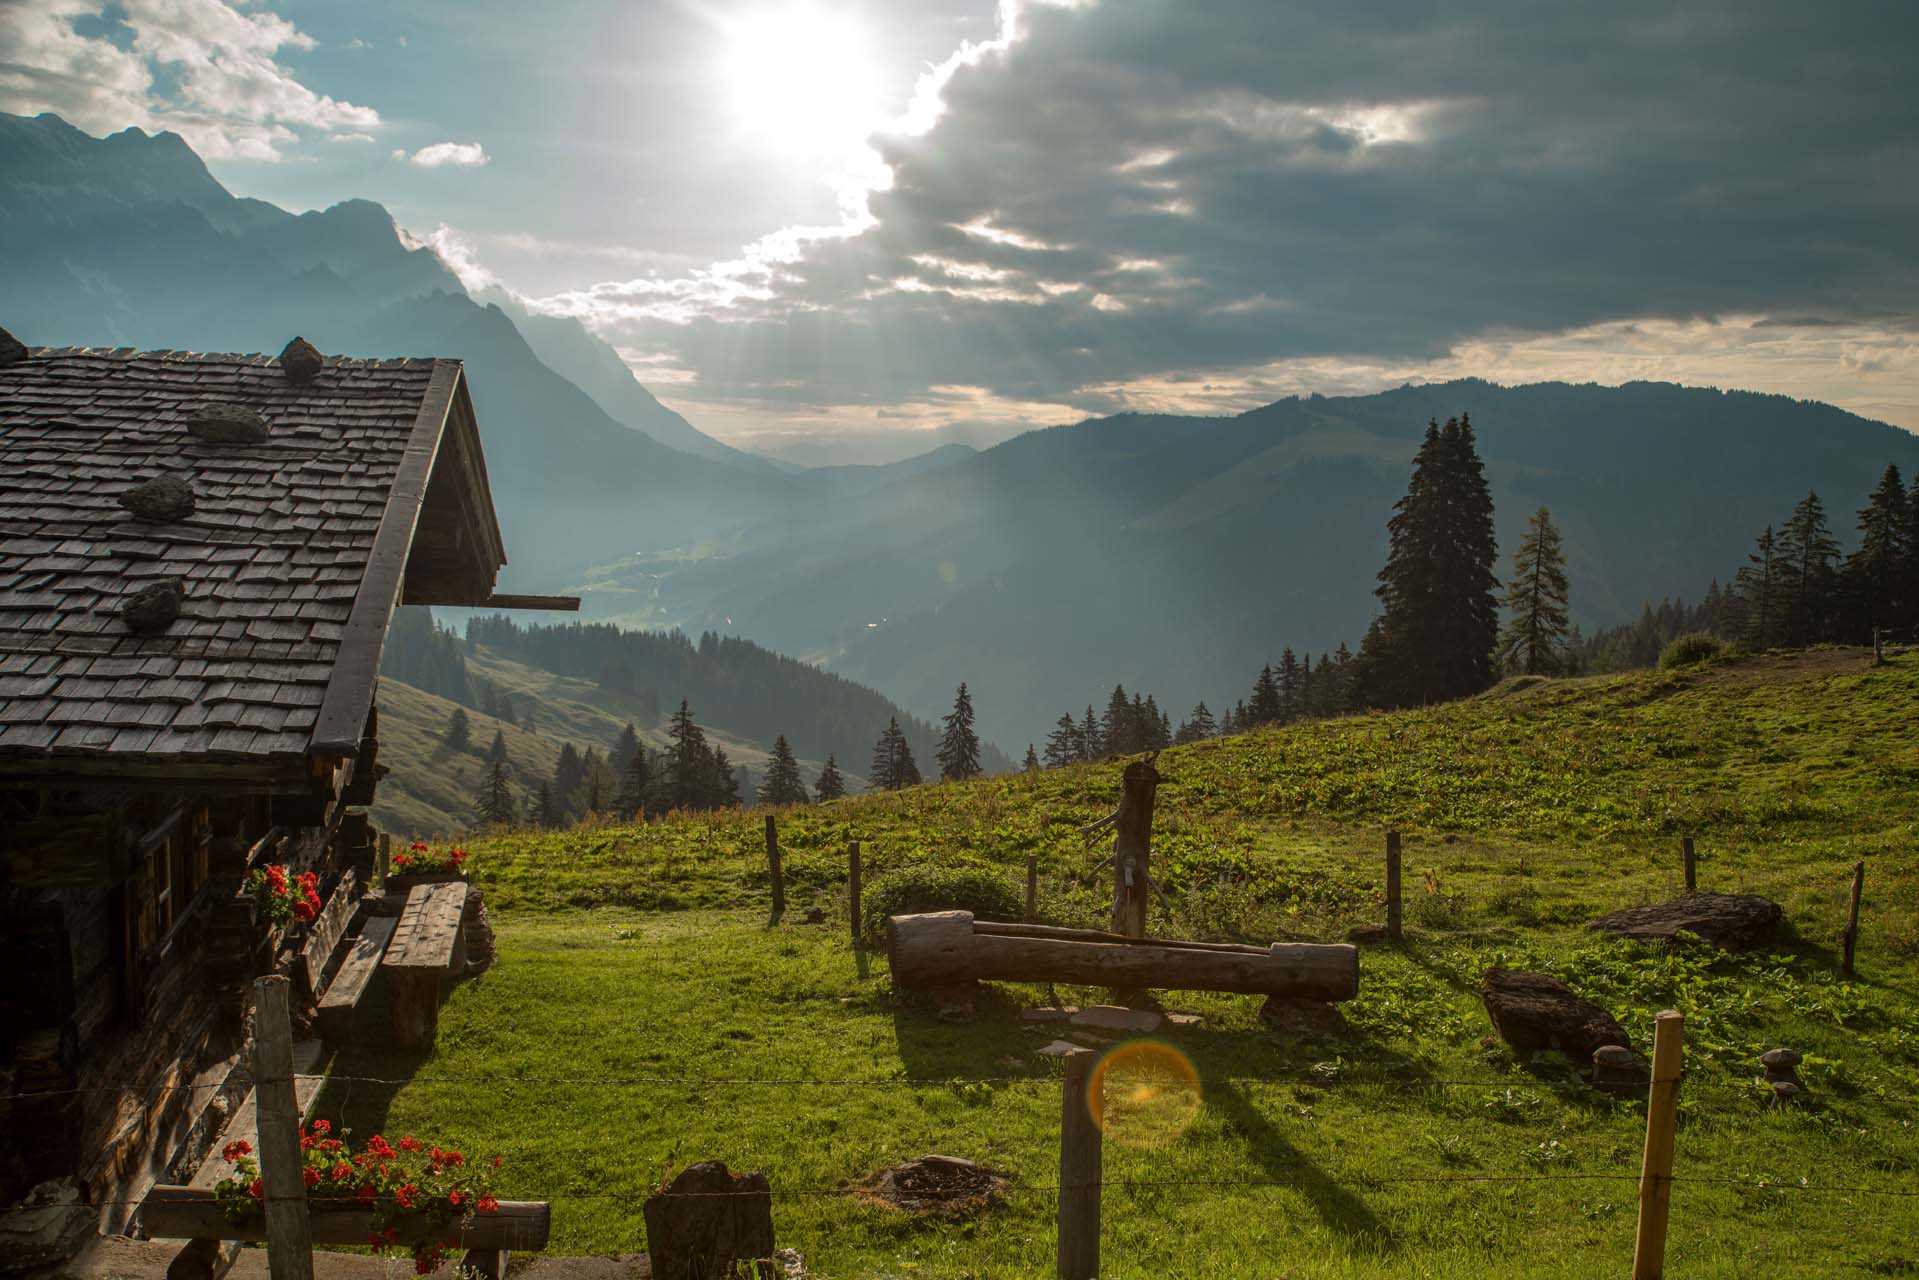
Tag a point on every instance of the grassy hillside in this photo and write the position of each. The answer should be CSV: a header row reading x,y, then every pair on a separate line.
x,y
1408,1143
431,789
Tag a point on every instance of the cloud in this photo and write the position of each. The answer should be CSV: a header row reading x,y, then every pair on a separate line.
x,y
1333,187
459,155
199,67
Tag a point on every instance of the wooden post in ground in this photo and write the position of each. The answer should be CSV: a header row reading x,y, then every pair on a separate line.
x,y
1032,888
386,857
1079,1169
1852,917
1655,1175
853,888
289,1233
1878,649
1692,865
1133,848
773,866
1394,919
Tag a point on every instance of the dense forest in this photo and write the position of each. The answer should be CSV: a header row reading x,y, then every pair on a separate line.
x,y
749,691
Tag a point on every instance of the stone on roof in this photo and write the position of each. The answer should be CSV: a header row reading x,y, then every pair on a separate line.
x,y
269,561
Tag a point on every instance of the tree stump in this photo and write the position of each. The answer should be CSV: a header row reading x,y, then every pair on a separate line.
x,y
1532,1011
707,1220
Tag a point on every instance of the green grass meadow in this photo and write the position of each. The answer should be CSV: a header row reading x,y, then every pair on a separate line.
x,y
639,979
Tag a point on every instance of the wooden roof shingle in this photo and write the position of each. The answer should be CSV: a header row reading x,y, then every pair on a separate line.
x,y
281,621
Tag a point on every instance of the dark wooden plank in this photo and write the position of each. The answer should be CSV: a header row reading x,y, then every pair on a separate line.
x,y
85,851
350,691
341,1003
324,934
564,604
428,933
193,1213
245,1126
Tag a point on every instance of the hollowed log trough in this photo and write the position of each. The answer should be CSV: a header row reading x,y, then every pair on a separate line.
x,y
946,948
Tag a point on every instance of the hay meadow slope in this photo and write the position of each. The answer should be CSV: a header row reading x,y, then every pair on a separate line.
x,y
1409,1144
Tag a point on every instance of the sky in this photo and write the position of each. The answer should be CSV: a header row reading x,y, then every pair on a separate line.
x,y
884,224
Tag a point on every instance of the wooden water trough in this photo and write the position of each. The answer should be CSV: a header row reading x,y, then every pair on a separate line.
x,y
944,948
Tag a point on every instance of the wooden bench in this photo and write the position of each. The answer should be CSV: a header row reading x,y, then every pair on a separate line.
x,y
244,1124
428,951
325,932
340,1005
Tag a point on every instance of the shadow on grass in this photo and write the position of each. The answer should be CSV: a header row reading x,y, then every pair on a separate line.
x,y
1338,1207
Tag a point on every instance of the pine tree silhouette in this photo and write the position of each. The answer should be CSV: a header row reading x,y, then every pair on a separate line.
x,y
958,753
1534,642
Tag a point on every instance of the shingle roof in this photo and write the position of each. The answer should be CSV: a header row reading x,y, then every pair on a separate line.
x,y
272,557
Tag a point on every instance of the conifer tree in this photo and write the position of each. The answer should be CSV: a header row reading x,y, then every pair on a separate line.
x,y
496,751
494,801
1031,763
1534,642
688,764
542,813
1265,706
569,778
624,749
1435,636
459,731
1875,572
831,784
1757,586
958,753
1115,727
1064,745
597,789
1199,726
1092,742
893,764
1287,678
635,782
782,784
722,783
1808,553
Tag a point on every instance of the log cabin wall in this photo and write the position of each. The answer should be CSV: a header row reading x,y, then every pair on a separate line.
x,y
137,990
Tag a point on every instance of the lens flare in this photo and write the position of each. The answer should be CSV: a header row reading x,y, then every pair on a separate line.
x,y
1144,1094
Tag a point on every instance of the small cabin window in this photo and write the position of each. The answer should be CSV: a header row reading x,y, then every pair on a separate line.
x,y
168,872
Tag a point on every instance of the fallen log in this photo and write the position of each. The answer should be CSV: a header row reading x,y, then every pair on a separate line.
x,y
944,948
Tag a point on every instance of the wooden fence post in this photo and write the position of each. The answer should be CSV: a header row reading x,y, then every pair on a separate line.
x,y
1394,928
853,888
1852,917
773,866
1692,864
289,1232
1133,847
386,856
1878,649
1032,888
1079,1169
1655,1175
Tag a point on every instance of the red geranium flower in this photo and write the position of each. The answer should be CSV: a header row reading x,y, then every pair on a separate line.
x,y
234,1150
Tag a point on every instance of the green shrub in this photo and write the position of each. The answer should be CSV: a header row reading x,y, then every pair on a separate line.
x,y
924,886
1690,650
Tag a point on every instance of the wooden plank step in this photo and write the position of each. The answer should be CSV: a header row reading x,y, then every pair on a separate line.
x,y
339,1006
245,1124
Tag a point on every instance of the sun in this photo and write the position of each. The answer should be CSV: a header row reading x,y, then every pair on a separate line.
x,y
801,79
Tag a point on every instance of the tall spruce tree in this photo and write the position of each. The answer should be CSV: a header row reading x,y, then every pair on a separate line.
x,y
722,789
1031,763
569,777
1199,726
1535,641
958,753
542,814
782,784
624,749
459,731
1809,554
1757,588
1063,745
1265,706
494,801
893,765
496,750
1092,742
688,764
1875,572
1435,637
831,784
636,782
